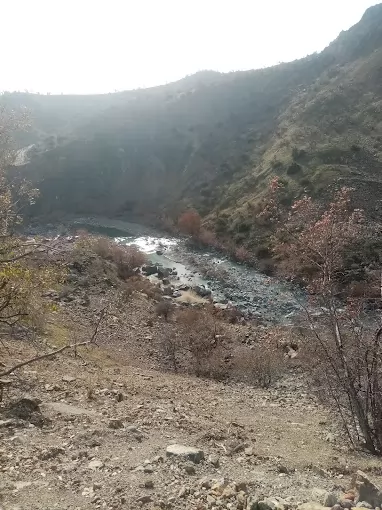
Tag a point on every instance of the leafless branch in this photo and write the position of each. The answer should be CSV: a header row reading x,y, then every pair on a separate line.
x,y
42,356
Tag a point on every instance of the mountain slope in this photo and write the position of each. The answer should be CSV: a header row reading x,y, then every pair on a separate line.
x,y
213,140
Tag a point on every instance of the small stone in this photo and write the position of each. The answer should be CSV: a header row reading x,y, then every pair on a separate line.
x,y
115,423
324,497
149,484
87,492
68,378
205,482
144,499
272,504
95,464
193,454
241,498
132,428
241,487
214,460
311,505
219,486
228,492
347,503
189,469
183,492
210,500
249,451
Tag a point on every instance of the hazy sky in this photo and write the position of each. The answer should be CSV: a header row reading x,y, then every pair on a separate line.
x,y
88,46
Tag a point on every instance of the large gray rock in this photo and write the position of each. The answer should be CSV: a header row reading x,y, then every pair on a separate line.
x,y
149,270
27,409
164,272
202,291
185,452
367,490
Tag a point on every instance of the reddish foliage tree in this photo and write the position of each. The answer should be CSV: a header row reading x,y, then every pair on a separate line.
x,y
190,223
343,340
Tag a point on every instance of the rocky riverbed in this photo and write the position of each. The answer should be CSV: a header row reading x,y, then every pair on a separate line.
x,y
209,274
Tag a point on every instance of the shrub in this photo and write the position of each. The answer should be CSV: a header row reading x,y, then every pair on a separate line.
x,y
264,364
208,238
346,346
164,309
241,254
125,258
190,223
144,286
172,347
293,169
199,331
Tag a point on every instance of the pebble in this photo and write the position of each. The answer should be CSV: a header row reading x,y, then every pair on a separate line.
x,y
95,464
214,460
115,423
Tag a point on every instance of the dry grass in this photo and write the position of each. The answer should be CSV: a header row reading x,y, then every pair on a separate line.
x,y
190,297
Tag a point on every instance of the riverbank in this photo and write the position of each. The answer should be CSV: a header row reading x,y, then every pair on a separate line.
x,y
230,283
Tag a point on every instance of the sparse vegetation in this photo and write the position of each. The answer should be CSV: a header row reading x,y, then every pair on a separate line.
x,y
311,243
164,309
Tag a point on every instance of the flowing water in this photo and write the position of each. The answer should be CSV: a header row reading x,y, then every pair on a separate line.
x,y
254,293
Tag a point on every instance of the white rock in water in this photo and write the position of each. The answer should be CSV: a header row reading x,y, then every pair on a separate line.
x,y
186,452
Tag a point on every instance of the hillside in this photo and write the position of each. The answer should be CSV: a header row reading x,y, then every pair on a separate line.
x,y
214,140
113,424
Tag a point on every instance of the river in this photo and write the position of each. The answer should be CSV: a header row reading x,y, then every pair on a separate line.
x,y
253,293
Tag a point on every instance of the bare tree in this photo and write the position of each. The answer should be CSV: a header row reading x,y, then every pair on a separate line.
x,y
344,340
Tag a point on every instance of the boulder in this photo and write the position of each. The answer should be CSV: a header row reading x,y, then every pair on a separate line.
x,y
164,272
202,291
167,291
185,452
367,490
149,270
27,409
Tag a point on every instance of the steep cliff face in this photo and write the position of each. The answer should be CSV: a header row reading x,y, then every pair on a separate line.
x,y
213,140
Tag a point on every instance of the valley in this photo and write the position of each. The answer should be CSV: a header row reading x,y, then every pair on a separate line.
x,y
190,290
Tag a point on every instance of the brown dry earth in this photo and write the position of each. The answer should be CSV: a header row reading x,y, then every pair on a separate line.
x,y
98,438
107,425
